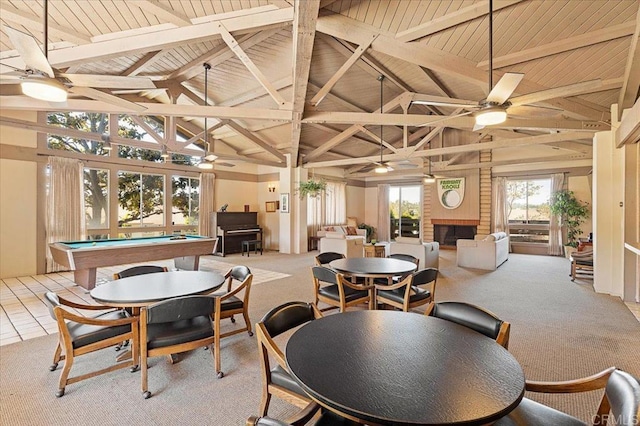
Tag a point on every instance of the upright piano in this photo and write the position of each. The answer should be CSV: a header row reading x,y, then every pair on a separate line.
x,y
232,228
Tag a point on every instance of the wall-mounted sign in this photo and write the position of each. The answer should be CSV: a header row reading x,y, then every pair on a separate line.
x,y
450,192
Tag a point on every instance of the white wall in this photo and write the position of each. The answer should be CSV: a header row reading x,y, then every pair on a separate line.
x,y
356,203
18,201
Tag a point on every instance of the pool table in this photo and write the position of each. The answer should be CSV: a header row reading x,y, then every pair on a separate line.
x,y
83,257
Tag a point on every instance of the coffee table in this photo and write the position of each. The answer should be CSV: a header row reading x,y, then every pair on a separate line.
x,y
390,367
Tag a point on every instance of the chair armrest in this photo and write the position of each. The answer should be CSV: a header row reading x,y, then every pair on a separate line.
x,y
271,345
94,321
349,284
246,283
597,381
400,284
69,303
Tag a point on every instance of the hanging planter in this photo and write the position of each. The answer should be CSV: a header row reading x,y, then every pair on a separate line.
x,y
311,188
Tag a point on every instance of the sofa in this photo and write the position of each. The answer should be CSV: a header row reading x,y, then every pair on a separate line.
x,y
484,251
337,242
347,230
427,253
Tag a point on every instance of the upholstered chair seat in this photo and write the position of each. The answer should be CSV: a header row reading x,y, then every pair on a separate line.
x,y
175,333
333,292
281,377
531,413
84,334
398,294
334,289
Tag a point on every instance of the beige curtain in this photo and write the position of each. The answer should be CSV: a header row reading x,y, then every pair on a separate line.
x,y
383,229
65,213
328,208
555,227
500,207
206,204
314,215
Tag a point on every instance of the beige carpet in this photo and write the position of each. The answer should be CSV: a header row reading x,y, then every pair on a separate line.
x,y
560,330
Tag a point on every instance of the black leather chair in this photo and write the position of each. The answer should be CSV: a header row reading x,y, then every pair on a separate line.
x,y
228,304
139,270
334,289
474,317
399,256
407,294
276,380
323,259
620,401
80,335
173,326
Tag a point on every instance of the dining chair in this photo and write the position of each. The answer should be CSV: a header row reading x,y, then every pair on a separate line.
x,y
334,289
620,401
173,326
399,256
473,317
139,270
276,380
409,293
228,304
79,335
582,262
303,417
323,259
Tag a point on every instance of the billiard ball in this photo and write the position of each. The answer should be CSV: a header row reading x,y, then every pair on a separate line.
x,y
93,243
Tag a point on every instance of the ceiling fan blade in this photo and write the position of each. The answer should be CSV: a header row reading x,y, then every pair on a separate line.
x,y
477,127
30,51
558,92
442,101
533,111
107,97
403,164
225,164
10,90
109,81
504,88
9,79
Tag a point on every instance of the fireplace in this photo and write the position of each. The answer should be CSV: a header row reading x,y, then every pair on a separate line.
x,y
447,231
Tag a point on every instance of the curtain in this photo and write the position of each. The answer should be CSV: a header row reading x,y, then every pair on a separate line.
x,y
383,213
500,207
206,204
555,227
65,213
328,208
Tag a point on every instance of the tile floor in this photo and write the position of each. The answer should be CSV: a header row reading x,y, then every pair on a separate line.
x,y
24,315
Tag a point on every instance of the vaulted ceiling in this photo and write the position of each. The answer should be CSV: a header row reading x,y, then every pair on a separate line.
x,y
303,77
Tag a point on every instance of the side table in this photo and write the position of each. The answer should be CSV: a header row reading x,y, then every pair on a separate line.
x,y
312,243
374,250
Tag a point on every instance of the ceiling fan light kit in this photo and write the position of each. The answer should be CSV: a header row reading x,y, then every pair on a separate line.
x,y
44,89
493,114
429,178
381,169
205,165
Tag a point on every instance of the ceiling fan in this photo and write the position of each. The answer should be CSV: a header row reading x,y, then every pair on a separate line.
x,y
209,158
493,109
40,80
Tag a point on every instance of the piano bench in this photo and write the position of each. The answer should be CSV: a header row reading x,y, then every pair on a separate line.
x,y
246,247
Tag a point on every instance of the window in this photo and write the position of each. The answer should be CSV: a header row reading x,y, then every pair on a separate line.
x,y
185,198
141,198
528,210
405,209
96,198
95,123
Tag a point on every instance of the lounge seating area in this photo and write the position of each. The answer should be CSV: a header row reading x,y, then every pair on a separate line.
x,y
427,253
348,245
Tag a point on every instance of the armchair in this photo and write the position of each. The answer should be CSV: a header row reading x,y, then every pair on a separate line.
x,y
407,294
139,270
484,251
82,335
334,289
620,401
582,262
428,254
349,246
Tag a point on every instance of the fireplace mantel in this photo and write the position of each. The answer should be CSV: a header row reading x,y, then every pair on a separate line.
x,y
459,222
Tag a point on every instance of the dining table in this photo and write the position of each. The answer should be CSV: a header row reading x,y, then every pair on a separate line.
x,y
401,368
371,268
143,290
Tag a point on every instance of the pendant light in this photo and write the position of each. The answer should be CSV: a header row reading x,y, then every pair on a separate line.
x,y
381,168
209,158
429,178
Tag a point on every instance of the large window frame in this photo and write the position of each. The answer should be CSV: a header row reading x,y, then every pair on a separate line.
x,y
404,219
530,229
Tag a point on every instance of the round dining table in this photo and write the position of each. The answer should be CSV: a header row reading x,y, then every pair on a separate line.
x,y
144,290
400,368
372,267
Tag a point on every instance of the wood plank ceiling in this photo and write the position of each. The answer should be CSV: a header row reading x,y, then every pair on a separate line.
x,y
262,105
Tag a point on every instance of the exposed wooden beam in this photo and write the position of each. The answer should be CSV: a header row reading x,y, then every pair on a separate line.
x,y
150,131
335,132
34,23
166,39
253,69
543,95
144,62
342,103
497,144
628,131
29,104
113,100
583,40
162,12
305,16
631,84
440,87
256,140
452,19
341,71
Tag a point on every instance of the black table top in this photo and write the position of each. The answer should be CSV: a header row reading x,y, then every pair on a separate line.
x,y
373,266
143,290
399,368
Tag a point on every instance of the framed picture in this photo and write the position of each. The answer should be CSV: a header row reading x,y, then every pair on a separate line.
x,y
284,202
271,206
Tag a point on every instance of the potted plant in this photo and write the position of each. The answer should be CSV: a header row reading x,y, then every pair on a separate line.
x,y
572,213
370,231
312,188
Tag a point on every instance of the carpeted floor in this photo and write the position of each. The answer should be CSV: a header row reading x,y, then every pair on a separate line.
x,y
560,330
